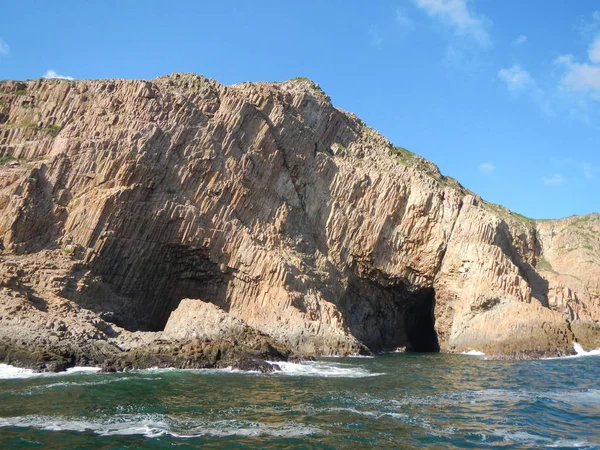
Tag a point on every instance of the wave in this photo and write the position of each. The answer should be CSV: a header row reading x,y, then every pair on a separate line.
x,y
585,397
530,439
159,425
473,353
474,397
83,370
580,352
325,369
373,414
8,372
95,381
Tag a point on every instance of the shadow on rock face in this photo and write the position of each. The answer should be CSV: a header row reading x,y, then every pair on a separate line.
x,y
162,279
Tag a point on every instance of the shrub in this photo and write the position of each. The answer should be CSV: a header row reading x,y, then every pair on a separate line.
x,y
6,159
53,130
405,156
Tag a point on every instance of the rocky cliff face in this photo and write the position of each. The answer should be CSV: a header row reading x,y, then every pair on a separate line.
x,y
120,198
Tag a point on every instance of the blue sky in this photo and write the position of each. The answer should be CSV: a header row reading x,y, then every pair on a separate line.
x,y
502,95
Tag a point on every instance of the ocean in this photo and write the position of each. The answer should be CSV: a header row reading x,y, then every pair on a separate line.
x,y
387,401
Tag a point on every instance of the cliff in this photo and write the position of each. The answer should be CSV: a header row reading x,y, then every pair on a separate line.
x,y
120,198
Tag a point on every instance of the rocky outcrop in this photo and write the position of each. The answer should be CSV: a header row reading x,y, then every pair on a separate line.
x,y
53,333
195,319
291,216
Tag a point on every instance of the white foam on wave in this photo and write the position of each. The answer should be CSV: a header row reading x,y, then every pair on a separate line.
x,y
323,369
159,425
8,372
473,353
570,443
95,381
148,427
326,369
83,370
582,352
585,397
373,414
525,438
579,353
221,371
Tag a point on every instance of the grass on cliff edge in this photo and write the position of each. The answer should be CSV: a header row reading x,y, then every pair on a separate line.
x,y
52,130
4,160
507,213
410,159
405,156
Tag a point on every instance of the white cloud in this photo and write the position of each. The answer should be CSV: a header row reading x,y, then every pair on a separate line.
x,y
520,40
403,20
4,48
486,167
583,78
456,14
554,180
52,74
564,60
375,34
594,51
518,80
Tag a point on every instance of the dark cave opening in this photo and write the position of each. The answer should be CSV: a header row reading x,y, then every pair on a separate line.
x,y
419,323
160,282
386,318
189,273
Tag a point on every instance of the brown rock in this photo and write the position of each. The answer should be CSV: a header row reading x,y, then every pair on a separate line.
x,y
287,213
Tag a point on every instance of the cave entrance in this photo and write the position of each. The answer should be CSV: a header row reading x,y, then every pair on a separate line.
x,y
156,287
419,323
189,273
385,318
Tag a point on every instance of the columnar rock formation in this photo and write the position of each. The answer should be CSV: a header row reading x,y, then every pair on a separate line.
x,y
120,198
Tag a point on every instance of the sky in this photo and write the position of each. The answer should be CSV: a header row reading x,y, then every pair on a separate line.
x,y
502,95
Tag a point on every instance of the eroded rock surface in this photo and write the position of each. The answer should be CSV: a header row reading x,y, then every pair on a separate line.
x,y
120,198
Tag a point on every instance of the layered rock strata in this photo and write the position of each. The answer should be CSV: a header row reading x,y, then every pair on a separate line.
x,y
120,198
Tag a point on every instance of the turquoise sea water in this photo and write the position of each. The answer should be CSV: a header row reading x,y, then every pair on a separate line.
x,y
390,401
